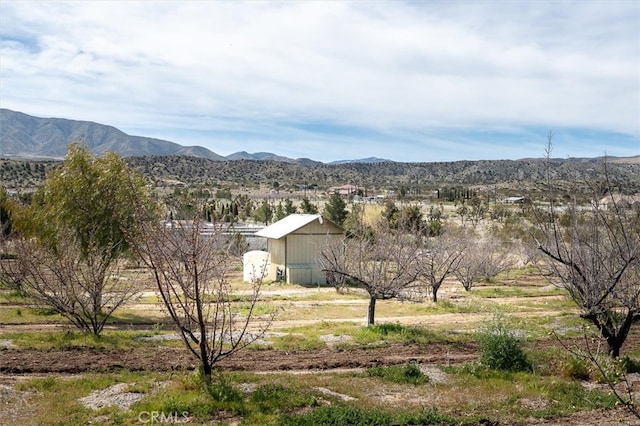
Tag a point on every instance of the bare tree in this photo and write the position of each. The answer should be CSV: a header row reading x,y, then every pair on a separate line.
x,y
478,211
470,267
384,263
462,211
483,258
594,252
191,265
81,283
439,258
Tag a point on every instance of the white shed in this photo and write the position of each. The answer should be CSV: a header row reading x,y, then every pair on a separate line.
x,y
294,244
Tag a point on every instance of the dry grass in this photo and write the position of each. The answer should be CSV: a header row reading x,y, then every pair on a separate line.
x,y
308,314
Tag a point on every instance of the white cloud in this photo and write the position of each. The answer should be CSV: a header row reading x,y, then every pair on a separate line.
x,y
394,68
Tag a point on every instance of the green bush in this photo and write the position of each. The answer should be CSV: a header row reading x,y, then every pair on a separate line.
x,y
631,365
607,369
603,370
577,368
221,389
275,398
408,373
351,416
500,349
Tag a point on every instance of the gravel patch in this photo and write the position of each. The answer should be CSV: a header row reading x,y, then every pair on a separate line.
x,y
331,339
4,343
435,374
14,405
159,338
336,394
117,395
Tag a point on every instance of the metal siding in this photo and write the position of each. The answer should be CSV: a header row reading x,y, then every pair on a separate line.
x,y
298,250
317,228
297,275
287,225
303,250
277,250
277,257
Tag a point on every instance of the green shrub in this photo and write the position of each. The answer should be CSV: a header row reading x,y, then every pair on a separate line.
x,y
408,373
394,332
338,415
607,369
221,389
631,365
276,398
500,349
603,370
577,368
351,416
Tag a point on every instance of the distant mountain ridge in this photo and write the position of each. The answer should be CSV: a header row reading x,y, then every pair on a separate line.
x,y
29,137
265,156
370,160
23,135
26,136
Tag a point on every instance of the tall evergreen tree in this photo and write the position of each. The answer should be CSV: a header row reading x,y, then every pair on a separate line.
x,y
307,207
336,209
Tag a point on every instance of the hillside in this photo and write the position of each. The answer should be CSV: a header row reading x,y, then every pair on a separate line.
x,y
507,176
27,136
514,173
41,139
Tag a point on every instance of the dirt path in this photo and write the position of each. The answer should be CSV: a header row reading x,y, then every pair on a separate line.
x,y
77,360
32,361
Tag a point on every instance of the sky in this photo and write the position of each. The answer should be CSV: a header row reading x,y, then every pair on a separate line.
x,y
408,81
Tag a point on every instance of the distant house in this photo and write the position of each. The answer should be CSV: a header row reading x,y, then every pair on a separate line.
x,y
293,245
621,200
344,190
514,200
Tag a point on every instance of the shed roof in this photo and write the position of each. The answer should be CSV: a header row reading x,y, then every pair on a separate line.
x,y
286,226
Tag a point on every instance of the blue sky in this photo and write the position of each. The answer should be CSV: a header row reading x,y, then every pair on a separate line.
x,y
331,80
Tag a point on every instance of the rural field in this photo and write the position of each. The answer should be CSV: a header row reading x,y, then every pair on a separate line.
x,y
320,213
419,362
125,303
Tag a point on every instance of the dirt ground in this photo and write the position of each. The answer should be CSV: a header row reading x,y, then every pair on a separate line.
x,y
31,361
17,364
21,363
83,359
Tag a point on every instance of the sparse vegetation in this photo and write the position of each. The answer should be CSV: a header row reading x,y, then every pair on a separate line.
x,y
501,348
449,363
180,171
408,373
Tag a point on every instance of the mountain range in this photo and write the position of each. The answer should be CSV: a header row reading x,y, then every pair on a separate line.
x,y
26,136
30,145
